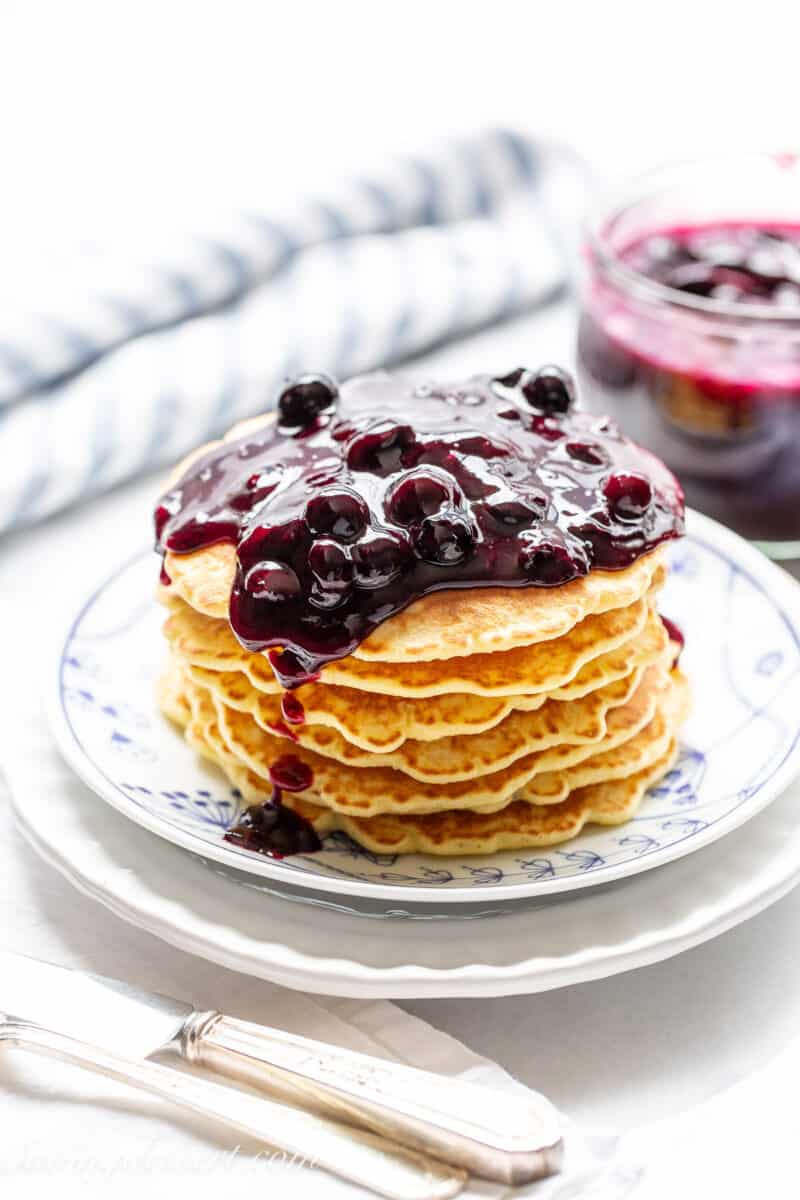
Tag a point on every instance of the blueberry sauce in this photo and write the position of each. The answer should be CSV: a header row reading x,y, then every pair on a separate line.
x,y
732,263
292,709
356,502
706,374
675,634
290,774
271,828
281,729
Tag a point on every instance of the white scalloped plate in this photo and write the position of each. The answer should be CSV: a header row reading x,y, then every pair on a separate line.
x,y
588,935
741,748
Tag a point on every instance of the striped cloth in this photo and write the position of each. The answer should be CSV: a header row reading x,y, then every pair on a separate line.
x,y
118,362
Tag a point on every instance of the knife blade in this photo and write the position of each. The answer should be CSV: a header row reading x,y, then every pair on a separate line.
x,y
487,1132
90,1008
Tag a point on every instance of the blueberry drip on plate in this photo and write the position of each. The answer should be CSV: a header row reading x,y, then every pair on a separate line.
x,y
274,830
358,501
271,828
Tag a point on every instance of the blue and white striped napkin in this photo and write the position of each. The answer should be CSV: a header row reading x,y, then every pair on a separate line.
x,y
115,360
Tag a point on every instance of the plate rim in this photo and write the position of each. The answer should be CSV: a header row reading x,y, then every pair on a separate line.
x,y
299,969
783,591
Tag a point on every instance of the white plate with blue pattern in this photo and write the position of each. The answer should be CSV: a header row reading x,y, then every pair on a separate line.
x,y
741,746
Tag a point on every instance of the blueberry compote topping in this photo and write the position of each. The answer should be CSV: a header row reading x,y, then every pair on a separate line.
x,y
353,505
271,828
734,263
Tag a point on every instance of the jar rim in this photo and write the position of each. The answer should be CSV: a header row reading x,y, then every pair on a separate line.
x,y
638,188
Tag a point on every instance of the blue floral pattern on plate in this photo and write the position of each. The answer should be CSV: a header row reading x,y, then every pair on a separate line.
x,y
742,655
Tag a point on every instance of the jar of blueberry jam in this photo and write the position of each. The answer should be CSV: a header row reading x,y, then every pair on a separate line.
x,y
690,335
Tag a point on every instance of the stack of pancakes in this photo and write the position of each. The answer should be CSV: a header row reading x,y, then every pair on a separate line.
x,y
472,721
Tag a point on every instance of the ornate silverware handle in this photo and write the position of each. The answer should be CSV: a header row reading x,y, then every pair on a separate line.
x,y
354,1154
487,1132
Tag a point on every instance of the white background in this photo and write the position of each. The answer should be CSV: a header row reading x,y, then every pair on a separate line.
x,y
110,111
117,105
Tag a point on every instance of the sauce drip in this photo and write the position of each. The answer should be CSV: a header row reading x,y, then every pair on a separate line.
x,y
292,709
271,828
274,830
675,635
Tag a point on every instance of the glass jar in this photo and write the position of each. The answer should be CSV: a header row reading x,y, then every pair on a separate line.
x,y
704,372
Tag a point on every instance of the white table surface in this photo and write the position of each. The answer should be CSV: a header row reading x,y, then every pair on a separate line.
x,y
613,1053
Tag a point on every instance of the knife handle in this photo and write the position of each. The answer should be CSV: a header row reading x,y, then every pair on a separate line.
x,y
489,1133
353,1154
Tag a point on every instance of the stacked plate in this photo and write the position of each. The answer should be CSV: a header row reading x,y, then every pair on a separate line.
x,y
739,750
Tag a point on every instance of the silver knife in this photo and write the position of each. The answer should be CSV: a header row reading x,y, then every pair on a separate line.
x,y
489,1133
355,1154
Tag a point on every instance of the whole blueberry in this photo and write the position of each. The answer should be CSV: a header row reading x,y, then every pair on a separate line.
x,y
305,398
339,512
272,543
332,573
548,562
272,581
629,495
446,539
419,493
550,389
379,559
382,448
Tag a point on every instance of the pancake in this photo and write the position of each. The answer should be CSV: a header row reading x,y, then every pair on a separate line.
x,y
445,624
628,758
366,792
518,825
381,724
467,756
527,670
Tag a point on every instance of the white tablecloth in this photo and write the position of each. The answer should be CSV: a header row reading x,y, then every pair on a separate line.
x,y
613,1054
